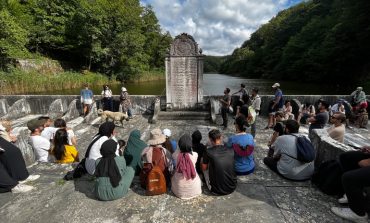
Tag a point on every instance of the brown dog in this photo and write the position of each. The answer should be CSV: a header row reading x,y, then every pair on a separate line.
x,y
115,116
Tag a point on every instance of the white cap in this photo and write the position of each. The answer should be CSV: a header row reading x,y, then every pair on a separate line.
x,y
167,132
123,89
276,85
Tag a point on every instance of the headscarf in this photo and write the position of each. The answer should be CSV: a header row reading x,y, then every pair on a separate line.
x,y
105,129
184,163
134,148
107,166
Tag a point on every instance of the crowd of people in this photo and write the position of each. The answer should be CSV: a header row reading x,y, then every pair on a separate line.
x,y
186,164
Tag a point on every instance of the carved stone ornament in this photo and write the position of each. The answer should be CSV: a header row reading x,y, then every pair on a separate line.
x,y
184,45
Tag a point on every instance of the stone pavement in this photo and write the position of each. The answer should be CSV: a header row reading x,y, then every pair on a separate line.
x,y
260,197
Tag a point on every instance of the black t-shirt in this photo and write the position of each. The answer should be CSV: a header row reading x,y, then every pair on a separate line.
x,y
200,149
220,162
321,119
244,110
279,127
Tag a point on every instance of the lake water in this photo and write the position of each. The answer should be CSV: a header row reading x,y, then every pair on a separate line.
x,y
214,84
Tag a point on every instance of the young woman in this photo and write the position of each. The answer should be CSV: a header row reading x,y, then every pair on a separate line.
x,y
185,182
113,177
134,148
243,145
61,124
63,152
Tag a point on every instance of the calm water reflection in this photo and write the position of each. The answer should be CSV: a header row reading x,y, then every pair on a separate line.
x,y
214,84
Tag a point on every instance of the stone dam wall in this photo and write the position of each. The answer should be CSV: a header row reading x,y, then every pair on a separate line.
x,y
16,106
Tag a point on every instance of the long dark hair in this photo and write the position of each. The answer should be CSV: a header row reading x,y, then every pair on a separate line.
x,y
60,140
240,122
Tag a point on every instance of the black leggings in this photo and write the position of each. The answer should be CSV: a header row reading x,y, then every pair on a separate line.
x,y
354,179
224,112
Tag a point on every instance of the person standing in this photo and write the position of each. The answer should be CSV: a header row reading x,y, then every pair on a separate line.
x,y
276,105
86,99
337,130
218,166
358,99
256,104
107,98
125,102
225,104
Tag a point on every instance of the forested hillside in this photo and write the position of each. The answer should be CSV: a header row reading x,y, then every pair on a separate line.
x,y
315,41
212,63
118,37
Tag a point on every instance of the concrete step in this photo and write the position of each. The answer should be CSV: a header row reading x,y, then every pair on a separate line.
x,y
184,115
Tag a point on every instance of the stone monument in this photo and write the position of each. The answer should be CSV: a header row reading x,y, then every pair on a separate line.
x,y
184,74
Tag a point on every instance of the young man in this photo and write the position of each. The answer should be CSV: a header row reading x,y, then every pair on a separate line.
x,y
284,161
225,104
86,99
356,169
277,105
40,145
321,118
337,130
218,166
256,104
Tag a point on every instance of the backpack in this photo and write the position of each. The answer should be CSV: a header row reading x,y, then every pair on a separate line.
x,y
305,149
328,178
152,176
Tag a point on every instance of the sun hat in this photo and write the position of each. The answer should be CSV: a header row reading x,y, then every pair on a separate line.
x,y
156,137
276,85
123,89
35,123
359,88
167,132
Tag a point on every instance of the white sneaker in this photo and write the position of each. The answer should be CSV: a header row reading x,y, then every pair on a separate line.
x,y
22,188
343,200
348,214
30,178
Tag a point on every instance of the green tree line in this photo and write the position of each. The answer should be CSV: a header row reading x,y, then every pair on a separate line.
x,y
121,37
314,41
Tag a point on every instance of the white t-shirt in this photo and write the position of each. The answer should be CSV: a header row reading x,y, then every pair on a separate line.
x,y
49,132
41,147
94,154
287,166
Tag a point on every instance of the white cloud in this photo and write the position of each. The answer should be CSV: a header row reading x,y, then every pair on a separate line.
x,y
219,26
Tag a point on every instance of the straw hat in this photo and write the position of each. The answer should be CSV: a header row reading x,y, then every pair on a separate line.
x,y
156,137
276,85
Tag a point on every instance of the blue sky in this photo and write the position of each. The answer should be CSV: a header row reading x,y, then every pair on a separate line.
x,y
219,26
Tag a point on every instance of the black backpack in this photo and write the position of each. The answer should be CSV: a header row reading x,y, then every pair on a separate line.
x,y
305,149
328,178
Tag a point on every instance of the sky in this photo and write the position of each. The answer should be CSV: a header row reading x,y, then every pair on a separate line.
x,y
218,26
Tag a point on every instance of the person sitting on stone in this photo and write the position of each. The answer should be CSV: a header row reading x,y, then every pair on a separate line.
x,y
113,177
106,131
185,182
40,145
13,171
321,118
243,145
134,148
241,93
61,124
62,150
278,131
284,161
358,98
288,110
6,131
156,155
169,144
308,111
48,130
337,130
199,148
356,176
218,166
